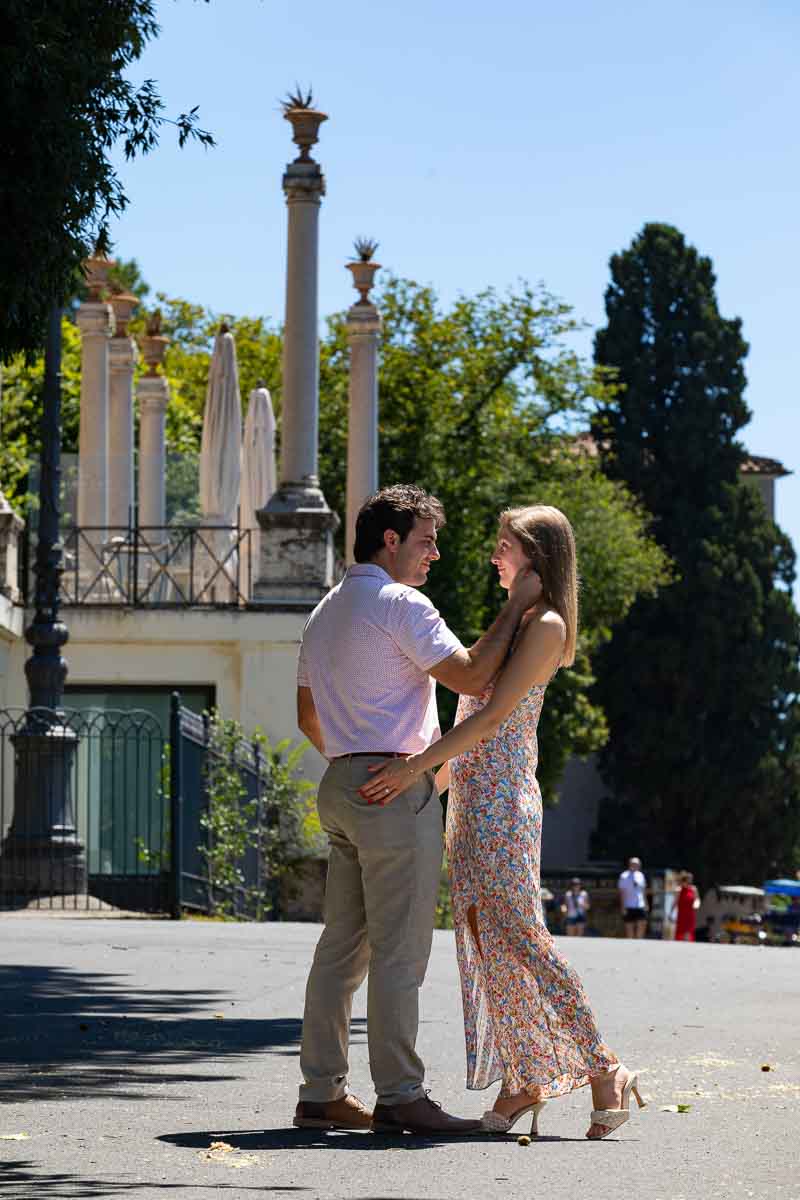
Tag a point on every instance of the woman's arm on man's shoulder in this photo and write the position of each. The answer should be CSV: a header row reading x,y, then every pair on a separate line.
x,y
468,671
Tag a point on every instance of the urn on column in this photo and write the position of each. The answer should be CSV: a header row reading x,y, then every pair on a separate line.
x,y
97,269
124,304
305,122
363,268
154,343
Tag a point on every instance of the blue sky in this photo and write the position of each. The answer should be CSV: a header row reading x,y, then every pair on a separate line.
x,y
482,144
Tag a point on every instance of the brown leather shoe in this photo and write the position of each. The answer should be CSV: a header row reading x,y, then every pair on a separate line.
x,y
420,1116
345,1113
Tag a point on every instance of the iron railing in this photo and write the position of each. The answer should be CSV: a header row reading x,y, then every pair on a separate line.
x,y
194,759
84,810
171,566
106,809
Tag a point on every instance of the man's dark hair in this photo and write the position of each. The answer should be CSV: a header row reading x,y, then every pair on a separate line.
x,y
394,508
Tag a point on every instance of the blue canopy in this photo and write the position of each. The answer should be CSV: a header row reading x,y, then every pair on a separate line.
x,y
783,887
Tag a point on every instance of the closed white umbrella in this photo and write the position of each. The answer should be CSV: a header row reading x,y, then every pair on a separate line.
x,y
220,450
220,465
259,476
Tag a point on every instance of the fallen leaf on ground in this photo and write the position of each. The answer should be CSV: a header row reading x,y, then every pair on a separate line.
x,y
14,1137
224,1152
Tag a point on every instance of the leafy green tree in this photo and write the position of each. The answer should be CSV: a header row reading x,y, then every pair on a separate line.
x,y
191,330
126,276
699,683
67,103
20,412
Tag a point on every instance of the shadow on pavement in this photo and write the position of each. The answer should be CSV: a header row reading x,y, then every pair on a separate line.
x,y
24,1182
316,1139
80,1035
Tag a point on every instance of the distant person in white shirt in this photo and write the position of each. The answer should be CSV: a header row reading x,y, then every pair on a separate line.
x,y
370,654
575,908
632,887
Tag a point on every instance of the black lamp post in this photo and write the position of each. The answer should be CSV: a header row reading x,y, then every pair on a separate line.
x,y
46,670
42,847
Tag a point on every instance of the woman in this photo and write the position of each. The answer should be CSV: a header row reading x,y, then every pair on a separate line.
x,y
527,1018
575,908
686,907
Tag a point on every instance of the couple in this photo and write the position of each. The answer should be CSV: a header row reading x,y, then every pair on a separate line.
x,y
370,654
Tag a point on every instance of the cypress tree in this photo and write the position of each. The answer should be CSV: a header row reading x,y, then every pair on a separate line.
x,y
699,683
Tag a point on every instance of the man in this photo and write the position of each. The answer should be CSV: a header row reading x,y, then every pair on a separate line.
x,y
371,652
632,886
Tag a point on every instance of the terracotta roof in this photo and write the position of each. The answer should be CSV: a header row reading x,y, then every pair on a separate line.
x,y
756,464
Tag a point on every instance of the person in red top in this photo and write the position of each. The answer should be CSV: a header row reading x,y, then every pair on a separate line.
x,y
686,906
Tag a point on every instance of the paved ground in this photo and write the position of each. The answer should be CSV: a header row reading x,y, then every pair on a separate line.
x,y
129,1047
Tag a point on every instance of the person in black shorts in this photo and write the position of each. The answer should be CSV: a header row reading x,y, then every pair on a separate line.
x,y
574,908
632,888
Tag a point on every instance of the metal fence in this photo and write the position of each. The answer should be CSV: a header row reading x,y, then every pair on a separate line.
x,y
172,566
248,889
104,809
84,811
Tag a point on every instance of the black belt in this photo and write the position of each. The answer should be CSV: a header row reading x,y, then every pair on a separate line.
x,y
371,754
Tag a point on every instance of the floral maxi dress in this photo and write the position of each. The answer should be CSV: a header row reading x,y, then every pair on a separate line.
x,y
527,1018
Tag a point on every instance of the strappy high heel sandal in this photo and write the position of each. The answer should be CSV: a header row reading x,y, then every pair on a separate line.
x,y
613,1118
495,1122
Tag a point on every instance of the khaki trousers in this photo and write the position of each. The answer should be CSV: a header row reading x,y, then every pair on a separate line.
x,y
380,904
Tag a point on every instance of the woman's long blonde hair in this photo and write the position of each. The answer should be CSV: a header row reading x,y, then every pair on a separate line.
x,y
548,541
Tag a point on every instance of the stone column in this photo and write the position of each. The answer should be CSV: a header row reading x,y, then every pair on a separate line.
x,y
363,334
153,396
122,360
95,319
297,557
304,186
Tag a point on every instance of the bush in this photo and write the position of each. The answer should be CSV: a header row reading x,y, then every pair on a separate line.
x,y
260,819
